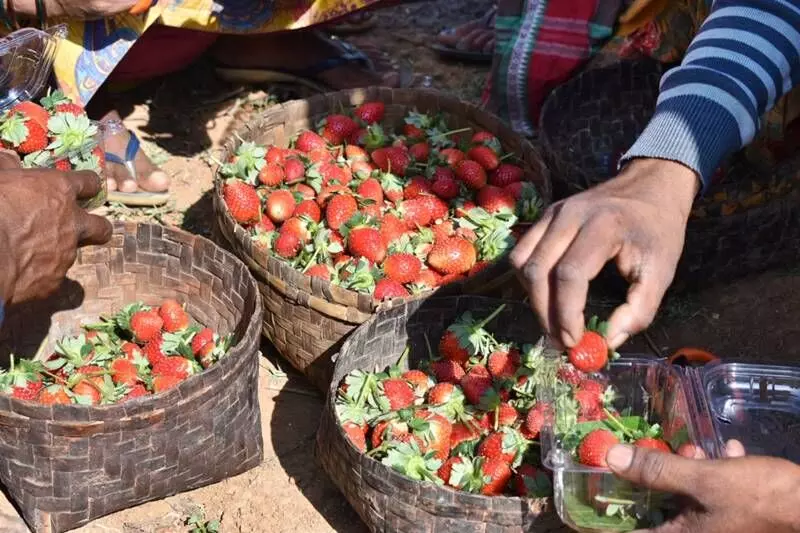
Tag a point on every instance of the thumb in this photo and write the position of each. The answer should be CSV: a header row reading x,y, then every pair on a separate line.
x,y
657,470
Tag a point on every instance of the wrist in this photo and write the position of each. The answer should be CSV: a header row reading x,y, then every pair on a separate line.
x,y
8,273
668,182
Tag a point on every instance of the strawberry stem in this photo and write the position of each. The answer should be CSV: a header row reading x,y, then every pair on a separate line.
x,y
618,424
509,155
489,318
403,358
428,346
362,394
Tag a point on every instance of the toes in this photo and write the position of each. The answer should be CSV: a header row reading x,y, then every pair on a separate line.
x,y
111,183
127,185
157,181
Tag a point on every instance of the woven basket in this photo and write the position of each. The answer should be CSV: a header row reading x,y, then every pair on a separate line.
x,y
66,465
589,122
386,500
305,318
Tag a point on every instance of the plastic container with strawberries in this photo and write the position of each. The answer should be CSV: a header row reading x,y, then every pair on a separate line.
x,y
691,409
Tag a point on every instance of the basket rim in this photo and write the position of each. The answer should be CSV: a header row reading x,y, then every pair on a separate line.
x,y
333,294
235,355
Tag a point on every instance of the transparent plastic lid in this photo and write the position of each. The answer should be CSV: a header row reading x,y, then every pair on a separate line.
x,y
26,60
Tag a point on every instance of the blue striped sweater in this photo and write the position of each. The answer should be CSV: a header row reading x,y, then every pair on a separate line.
x,y
744,58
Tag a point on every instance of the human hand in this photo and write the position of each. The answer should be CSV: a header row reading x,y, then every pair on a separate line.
x,y
41,227
753,494
637,218
78,9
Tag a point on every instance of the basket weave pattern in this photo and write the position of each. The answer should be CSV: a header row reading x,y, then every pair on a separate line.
x,y
386,500
66,465
307,318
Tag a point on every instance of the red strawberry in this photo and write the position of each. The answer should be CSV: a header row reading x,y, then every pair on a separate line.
x,y
420,151
419,380
298,226
146,325
355,434
319,271
506,415
416,212
132,351
436,436
464,209
388,430
589,406
482,137
402,267
463,432
305,191
569,374
174,316
355,153
371,189
333,174
33,111
416,187
294,171
427,279
534,421
339,210
447,371
441,393
653,444
590,354
329,191
386,289
503,363
494,200
438,208
203,342
163,382
362,169
271,175
452,256
54,394
477,385
174,366
485,157
153,350
87,389
445,187
452,156
30,391
242,201
392,228
124,372
411,131
265,225
442,230
337,128
137,391
288,244
64,165
447,468
497,474
280,205
370,112
276,156
471,173
594,447
506,174
496,446
308,141
308,208
70,108
398,392
393,159
366,241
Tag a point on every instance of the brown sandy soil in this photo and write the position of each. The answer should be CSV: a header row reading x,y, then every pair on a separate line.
x,y
183,120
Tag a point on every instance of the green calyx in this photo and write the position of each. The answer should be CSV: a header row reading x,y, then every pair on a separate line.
x,y
72,135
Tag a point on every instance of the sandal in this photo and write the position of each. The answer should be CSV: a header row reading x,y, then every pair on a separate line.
x,y
139,198
461,49
309,76
355,24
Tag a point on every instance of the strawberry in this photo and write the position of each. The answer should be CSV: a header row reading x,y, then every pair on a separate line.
x,y
506,174
154,350
355,153
485,157
419,380
412,131
397,393
464,433
531,482
265,225
386,289
359,137
503,363
339,210
497,474
327,192
534,421
203,342
653,444
71,108
276,156
417,186
334,174
453,256
366,241
280,205
288,244
271,175
503,445
163,382
442,230
445,187
308,208
447,468
402,267
441,393
355,434
54,394
293,171
452,156
478,267
304,191
242,201
393,159
124,372
308,141
371,189
388,430
434,434
176,365
466,337
416,212
146,325
301,227
391,228
370,112
438,208
477,386
495,200
33,111
569,374
137,391
64,165
319,271
589,406
362,169
484,137
594,447
505,415
132,351
427,279
590,354
463,209
420,151
447,371
337,128
86,390
471,173
174,316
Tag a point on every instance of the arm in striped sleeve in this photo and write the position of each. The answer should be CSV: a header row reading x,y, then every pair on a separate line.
x,y
745,57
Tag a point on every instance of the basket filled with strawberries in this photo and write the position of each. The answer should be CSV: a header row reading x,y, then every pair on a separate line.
x,y
55,133
135,381
353,201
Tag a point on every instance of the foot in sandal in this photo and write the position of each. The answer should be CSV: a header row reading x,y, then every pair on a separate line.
x,y
473,41
132,178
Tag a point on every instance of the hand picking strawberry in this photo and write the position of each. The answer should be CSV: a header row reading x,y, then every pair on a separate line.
x,y
411,209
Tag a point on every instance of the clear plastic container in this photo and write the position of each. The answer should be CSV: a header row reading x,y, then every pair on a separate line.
x,y
26,60
756,404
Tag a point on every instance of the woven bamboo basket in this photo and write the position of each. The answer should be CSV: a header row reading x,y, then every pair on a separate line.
x,y
307,319
66,465
589,122
386,500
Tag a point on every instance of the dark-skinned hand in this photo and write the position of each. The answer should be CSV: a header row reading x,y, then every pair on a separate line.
x,y
41,227
638,219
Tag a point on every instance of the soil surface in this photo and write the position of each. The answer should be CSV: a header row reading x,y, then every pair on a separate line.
x,y
183,120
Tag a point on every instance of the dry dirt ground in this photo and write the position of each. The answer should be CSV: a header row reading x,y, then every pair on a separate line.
x,y
182,121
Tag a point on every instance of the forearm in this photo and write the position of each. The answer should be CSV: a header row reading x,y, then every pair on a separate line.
x,y
745,57
7,273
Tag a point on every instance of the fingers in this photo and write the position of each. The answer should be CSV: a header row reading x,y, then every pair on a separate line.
x,y
9,159
657,470
84,184
734,449
93,229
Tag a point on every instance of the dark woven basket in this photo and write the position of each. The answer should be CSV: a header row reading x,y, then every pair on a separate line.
x,y
305,318
386,500
66,465
589,122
